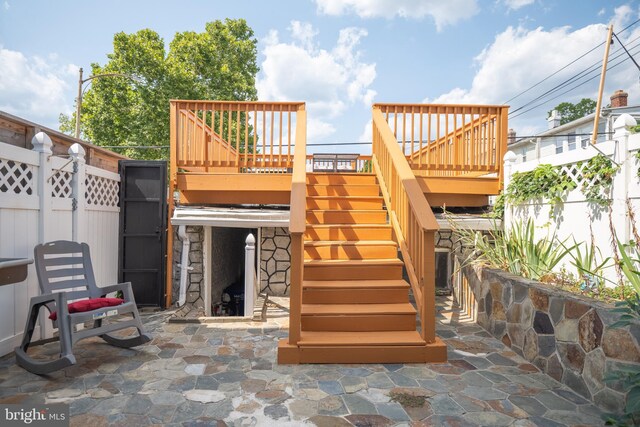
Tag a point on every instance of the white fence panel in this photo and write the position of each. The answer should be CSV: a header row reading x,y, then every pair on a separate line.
x,y
43,198
576,219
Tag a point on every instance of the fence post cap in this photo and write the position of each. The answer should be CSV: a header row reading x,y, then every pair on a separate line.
x,y
623,123
77,151
42,143
250,241
510,157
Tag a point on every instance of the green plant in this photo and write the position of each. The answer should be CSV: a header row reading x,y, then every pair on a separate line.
x,y
516,251
627,375
629,265
588,267
544,182
629,309
597,178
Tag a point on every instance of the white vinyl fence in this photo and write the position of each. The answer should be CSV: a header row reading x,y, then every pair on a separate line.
x,y
44,198
577,218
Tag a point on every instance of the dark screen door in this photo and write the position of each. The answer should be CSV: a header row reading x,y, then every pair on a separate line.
x,y
143,224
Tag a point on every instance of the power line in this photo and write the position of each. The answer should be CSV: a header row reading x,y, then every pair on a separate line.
x,y
512,115
566,91
625,49
582,74
567,65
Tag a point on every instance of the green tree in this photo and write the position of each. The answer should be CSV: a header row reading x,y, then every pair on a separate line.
x,y
570,112
219,63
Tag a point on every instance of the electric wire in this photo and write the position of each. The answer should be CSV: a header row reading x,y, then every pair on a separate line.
x,y
567,65
513,114
582,74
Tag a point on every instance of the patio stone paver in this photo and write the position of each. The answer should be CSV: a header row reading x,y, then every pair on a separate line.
x,y
226,374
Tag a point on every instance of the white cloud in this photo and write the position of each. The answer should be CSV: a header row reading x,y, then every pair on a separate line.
x,y
517,4
519,58
34,87
330,81
367,132
6,5
621,17
443,12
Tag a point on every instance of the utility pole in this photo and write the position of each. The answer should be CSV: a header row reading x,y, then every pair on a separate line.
x,y
605,60
79,104
79,98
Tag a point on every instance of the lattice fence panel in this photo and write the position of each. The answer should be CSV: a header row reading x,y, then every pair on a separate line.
x,y
16,177
102,191
61,184
576,172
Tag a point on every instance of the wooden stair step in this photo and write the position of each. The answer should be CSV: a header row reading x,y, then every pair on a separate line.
x,y
344,202
343,190
357,309
358,317
360,269
354,291
361,347
358,232
373,338
341,178
363,263
360,216
350,249
354,284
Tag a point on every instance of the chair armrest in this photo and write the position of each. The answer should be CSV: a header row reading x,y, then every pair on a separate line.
x,y
125,287
58,298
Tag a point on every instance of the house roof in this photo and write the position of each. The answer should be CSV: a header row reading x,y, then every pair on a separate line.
x,y
562,129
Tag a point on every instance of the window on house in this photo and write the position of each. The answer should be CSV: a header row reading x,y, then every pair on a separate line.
x,y
558,146
572,141
524,156
584,143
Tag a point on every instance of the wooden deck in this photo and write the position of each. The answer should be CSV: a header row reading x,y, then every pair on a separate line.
x,y
346,227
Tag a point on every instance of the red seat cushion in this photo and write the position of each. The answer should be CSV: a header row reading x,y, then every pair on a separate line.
x,y
88,305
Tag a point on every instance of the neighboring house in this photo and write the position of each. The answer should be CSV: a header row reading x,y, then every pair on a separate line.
x,y
575,134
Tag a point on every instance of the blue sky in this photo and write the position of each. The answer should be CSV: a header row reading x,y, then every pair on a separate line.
x,y
337,55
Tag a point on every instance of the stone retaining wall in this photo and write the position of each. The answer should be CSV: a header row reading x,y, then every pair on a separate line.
x,y
275,261
194,306
565,335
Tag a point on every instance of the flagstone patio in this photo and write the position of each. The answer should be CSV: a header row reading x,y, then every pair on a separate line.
x,y
225,374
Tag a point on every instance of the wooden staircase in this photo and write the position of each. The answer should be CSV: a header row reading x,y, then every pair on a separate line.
x,y
355,303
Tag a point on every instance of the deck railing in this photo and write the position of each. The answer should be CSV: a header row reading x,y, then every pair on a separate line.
x,y
449,140
233,136
411,217
361,163
297,226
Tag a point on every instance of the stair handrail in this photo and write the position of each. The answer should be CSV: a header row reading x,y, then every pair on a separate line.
x,y
297,224
411,217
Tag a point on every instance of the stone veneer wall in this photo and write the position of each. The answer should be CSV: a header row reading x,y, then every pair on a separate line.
x,y
275,261
194,306
567,336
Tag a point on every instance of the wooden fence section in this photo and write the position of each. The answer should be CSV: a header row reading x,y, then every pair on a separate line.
x,y
411,217
449,140
18,132
234,136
